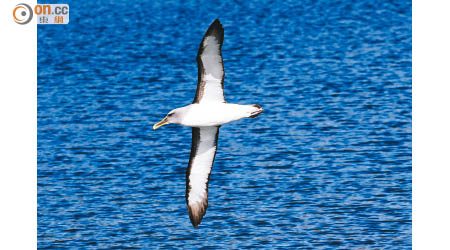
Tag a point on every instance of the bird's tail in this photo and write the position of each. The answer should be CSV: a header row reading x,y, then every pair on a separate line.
x,y
257,109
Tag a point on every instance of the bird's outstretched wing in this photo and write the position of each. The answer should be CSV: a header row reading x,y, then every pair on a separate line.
x,y
203,152
211,72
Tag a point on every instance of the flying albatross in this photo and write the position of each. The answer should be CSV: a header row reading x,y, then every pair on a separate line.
x,y
205,115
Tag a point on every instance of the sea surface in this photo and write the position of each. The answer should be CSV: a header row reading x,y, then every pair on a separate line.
x,y
327,165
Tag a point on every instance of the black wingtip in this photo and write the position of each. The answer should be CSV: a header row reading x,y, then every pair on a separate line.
x,y
217,24
216,30
196,215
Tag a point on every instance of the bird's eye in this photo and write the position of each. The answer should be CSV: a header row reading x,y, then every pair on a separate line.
x,y
170,114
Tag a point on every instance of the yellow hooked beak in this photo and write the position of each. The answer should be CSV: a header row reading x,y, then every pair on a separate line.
x,y
161,123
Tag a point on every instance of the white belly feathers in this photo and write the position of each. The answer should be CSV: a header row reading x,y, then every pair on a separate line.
x,y
215,114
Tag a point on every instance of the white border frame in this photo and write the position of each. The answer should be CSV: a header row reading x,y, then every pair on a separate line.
x,y
18,130
431,124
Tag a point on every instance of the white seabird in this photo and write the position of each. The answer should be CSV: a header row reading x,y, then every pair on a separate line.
x,y
205,115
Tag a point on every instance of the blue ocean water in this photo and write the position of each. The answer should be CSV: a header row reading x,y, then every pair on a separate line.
x,y
326,166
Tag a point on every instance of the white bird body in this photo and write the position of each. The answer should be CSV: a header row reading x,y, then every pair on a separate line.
x,y
215,114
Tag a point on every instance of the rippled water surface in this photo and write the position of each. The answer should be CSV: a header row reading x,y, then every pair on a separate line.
x,y
326,166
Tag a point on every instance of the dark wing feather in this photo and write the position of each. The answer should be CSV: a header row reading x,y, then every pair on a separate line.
x,y
203,153
211,71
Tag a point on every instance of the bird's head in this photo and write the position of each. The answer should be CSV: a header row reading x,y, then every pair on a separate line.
x,y
173,116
